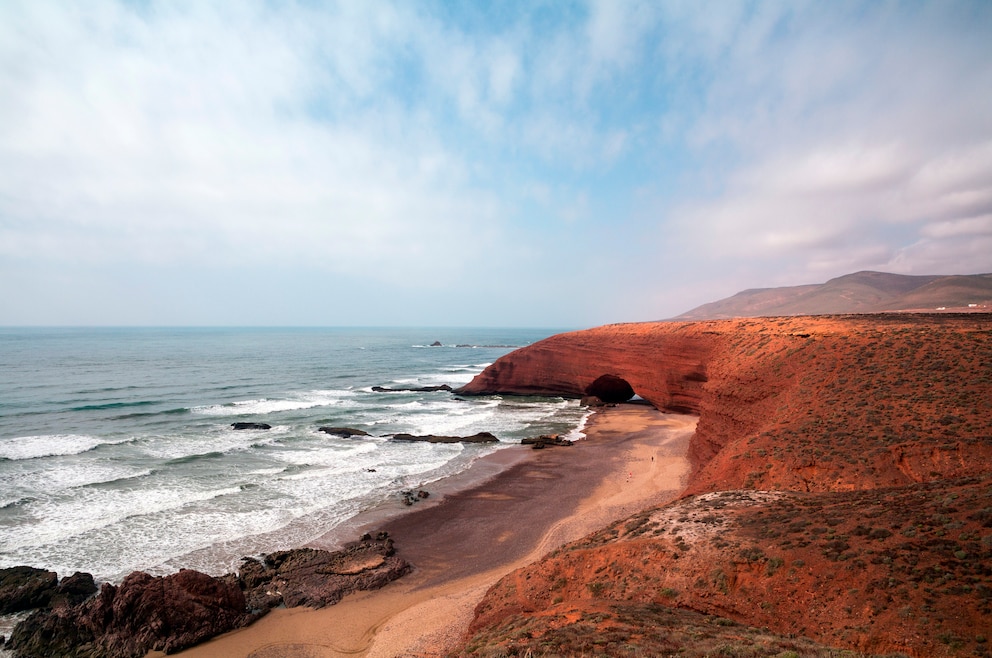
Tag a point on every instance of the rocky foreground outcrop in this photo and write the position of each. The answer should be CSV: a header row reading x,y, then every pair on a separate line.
x,y
169,613
26,588
839,491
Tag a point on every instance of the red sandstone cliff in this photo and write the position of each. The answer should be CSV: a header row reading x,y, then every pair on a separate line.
x,y
809,403
868,440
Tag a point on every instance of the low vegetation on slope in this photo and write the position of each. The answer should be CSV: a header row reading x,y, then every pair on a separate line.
x,y
901,570
841,494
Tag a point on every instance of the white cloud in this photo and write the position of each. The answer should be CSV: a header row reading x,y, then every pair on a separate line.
x,y
959,227
843,143
172,137
763,141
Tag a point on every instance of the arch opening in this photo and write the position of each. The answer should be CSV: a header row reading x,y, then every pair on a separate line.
x,y
611,389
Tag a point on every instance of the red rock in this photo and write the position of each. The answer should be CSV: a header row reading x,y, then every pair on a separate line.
x,y
24,588
868,437
910,390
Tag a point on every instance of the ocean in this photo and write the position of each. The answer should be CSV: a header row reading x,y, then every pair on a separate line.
x,y
117,451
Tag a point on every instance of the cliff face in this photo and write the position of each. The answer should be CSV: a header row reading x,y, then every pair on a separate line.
x,y
840,490
828,403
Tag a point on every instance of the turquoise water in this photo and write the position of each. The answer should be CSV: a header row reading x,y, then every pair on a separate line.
x,y
117,453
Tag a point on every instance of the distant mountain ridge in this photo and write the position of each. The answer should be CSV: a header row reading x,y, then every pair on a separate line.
x,y
861,292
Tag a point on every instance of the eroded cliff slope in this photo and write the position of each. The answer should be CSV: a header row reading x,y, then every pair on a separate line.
x,y
840,490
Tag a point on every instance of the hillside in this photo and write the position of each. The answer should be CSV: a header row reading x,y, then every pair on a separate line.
x,y
862,292
840,490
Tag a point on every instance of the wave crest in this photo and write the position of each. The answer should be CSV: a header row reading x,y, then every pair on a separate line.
x,y
48,445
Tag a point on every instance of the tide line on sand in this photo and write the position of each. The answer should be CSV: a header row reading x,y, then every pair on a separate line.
x,y
633,457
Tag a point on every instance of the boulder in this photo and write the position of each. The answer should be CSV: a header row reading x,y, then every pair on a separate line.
x,y
26,588
344,432
591,401
436,343
610,389
410,497
250,426
73,590
481,437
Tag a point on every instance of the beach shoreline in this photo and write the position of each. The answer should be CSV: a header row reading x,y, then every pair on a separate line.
x,y
515,507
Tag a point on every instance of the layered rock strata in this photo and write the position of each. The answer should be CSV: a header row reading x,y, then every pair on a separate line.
x,y
808,403
840,490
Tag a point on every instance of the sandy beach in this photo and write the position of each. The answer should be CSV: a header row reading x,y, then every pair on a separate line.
x,y
633,457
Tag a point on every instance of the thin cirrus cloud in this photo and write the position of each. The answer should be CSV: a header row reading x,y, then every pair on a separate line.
x,y
433,163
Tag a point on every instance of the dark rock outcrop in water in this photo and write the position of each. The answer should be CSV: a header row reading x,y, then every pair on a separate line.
x,y
481,437
344,432
170,613
143,613
26,588
316,578
250,426
415,389
410,497
545,440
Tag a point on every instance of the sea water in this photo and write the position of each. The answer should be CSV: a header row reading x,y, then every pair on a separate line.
x,y
117,451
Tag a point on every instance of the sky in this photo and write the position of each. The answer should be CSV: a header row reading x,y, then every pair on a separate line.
x,y
531,164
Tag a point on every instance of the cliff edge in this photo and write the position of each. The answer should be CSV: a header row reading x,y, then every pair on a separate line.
x,y
840,490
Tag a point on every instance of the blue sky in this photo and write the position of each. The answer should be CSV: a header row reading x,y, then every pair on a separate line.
x,y
479,164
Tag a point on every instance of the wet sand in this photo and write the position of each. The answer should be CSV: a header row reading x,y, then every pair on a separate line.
x,y
633,457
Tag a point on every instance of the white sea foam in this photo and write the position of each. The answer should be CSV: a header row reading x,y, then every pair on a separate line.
x,y
48,445
578,432
264,406
190,445
267,471
95,509
59,478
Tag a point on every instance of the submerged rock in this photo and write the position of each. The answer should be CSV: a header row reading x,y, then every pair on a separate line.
x,y
250,426
344,432
414,389
481,437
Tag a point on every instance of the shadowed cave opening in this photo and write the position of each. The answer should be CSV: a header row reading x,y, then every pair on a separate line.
x,y
610,389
